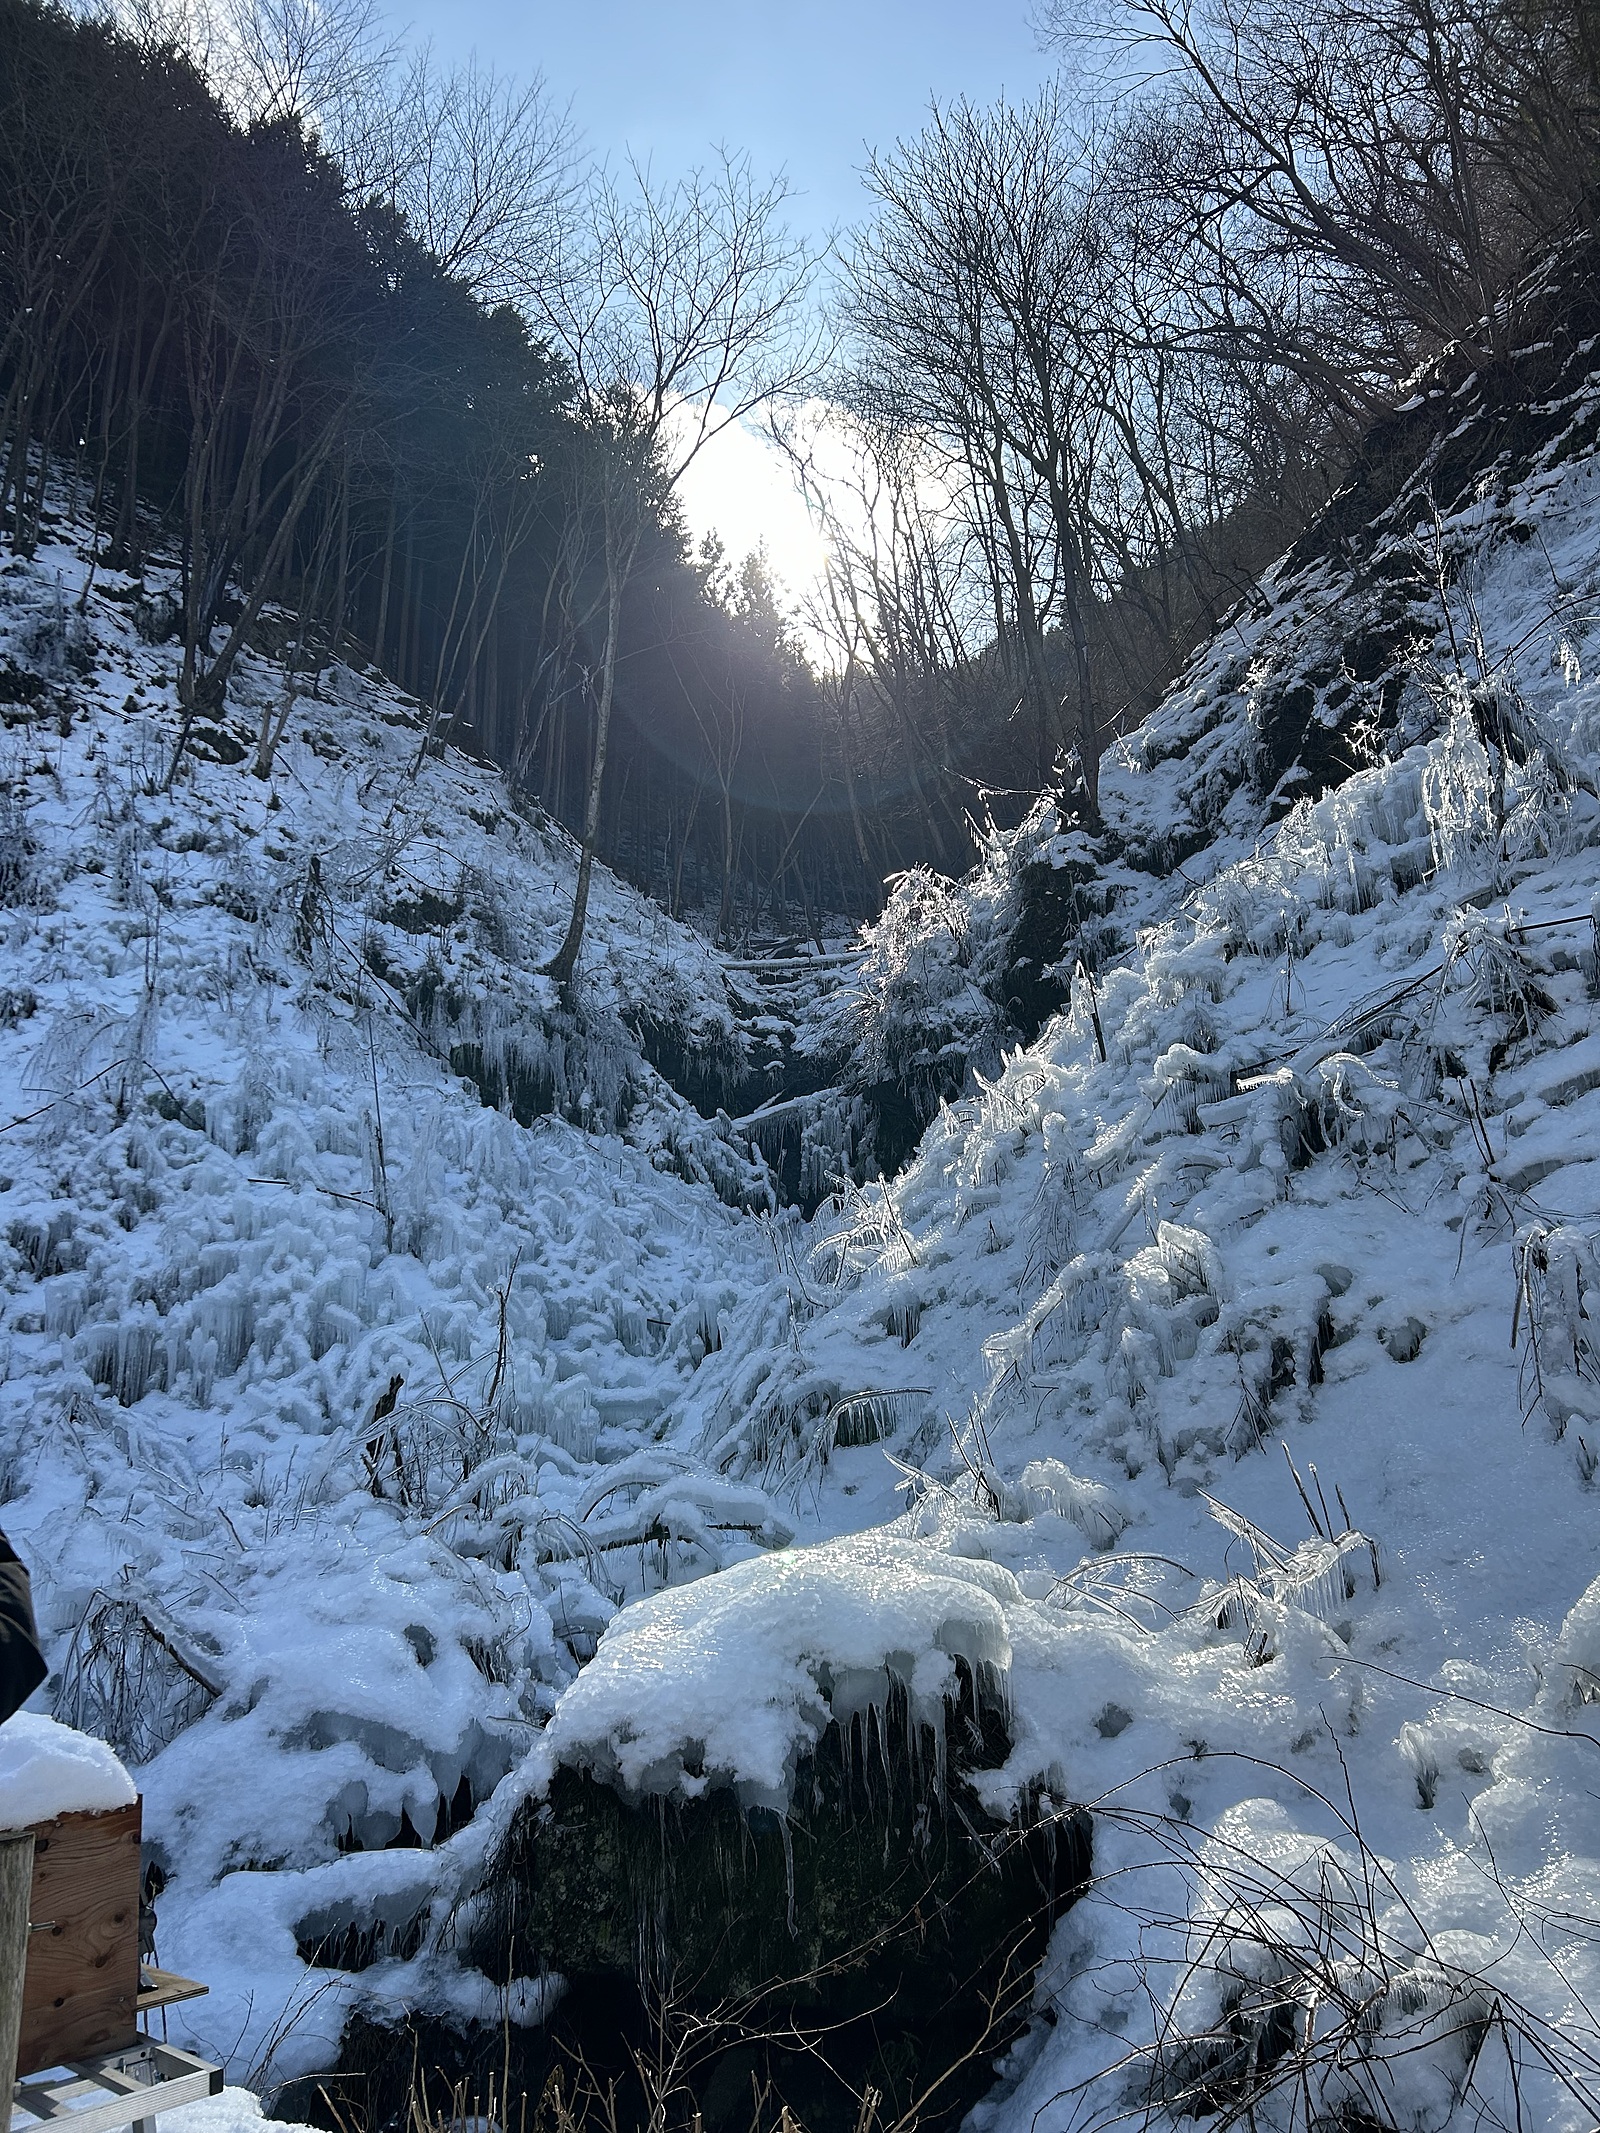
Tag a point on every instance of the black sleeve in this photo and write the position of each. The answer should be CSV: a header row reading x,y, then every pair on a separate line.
x,y
22,1666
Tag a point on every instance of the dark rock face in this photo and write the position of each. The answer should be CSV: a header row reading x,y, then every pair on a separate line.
x,y
881,1920
884,1935
1063,911
733,1901
1463,438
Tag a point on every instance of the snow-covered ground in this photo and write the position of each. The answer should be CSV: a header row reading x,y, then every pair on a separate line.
x,y
1253,1366
1229,1398
337,1406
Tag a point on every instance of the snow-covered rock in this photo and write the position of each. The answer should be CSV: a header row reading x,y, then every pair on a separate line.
x,y
729,1680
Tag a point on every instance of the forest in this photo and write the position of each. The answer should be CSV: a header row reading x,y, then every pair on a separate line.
x,y
411,381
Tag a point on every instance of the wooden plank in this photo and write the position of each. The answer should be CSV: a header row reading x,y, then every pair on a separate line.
x,y
81,1987
16,1886
164,1988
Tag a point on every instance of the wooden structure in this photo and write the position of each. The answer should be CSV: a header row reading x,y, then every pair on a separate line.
x,y
83,2064
80,1992
16,1886
164,1988
113,2089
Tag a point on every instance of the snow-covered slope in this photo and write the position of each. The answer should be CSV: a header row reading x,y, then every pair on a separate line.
x,y
1317,670
331,1395
1256,1358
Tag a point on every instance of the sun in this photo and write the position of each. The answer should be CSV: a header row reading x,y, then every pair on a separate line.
x,y
742,487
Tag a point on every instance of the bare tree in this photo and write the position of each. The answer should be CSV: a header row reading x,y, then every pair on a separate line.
x,y
271,350
679,309
1129,406
1403,155
967,294
901,609
482,167
324,63
318,61
57,216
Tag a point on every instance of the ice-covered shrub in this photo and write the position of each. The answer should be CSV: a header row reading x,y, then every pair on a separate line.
x,y
1314,1583
695,1522
1570,1689
1055,1213
1347,1104
1495,782
1500,975
918,993
1462,799
1558,1283
57,641
859,1230
18,849
1098,1513
929,1001
1302,1998
131,1676
793,1420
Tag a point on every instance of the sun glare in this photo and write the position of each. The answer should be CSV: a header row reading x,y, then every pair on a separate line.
x,y
742,488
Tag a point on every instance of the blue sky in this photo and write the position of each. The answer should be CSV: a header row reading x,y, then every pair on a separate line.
x,y
803,87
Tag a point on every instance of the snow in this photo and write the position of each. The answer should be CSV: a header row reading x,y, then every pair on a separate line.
x,y
47,1770
1228,1402
231,2110
729,1680
310,1356
1126,1270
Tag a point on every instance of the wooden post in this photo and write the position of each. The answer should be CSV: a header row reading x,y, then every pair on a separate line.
x,y
16,1882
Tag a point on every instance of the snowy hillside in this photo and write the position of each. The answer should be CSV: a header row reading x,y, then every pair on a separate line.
x,y
1317,668
330,1392
1244,1381
1214,1390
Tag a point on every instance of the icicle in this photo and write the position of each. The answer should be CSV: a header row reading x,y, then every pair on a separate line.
x,y
787,1840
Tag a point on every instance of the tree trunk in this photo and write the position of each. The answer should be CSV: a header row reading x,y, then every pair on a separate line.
x,y
564,963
